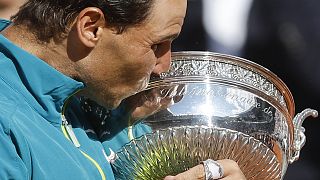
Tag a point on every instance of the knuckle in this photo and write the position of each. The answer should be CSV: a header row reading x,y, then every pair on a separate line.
x,y
232,163
234,167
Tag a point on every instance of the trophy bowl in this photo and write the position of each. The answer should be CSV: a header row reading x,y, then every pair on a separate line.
x,y
220,107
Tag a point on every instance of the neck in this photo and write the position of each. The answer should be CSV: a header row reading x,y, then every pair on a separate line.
x,y
51,52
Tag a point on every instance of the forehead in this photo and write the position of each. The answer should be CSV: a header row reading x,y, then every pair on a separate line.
x,y
167,16
168,8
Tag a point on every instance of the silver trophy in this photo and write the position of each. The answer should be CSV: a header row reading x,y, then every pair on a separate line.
x,y
215,106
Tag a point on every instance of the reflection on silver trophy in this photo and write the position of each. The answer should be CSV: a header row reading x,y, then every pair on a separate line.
x,y
217,106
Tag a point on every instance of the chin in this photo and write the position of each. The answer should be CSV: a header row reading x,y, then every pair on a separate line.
x,y
115,104
106,103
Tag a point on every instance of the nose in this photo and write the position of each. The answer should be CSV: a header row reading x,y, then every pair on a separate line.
x,y
163,55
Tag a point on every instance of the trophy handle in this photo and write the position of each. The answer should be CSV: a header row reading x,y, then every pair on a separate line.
x,y
299,136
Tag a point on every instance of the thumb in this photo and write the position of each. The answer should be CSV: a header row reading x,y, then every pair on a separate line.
x,y
169,178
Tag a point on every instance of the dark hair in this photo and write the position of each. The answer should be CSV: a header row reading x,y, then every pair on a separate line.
x,y
51,18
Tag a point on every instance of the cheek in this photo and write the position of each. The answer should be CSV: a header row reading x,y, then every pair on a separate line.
x,y
148,65
144,65
150,59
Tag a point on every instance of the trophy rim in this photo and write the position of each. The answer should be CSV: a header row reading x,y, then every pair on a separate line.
x,y
230,59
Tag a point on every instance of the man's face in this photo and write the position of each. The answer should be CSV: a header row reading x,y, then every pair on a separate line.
x,y
122,64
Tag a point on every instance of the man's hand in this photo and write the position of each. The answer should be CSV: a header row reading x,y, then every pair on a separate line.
x,y
230,168
151,101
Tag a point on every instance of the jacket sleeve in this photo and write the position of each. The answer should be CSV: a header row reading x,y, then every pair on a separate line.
x,y
11,165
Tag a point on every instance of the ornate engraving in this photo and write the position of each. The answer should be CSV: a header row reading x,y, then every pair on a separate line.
x,y
224,70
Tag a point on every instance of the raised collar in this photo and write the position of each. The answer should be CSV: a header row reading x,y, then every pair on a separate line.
x,y
44,88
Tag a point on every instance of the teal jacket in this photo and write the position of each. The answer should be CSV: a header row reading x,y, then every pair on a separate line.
x,y
34,140
113,128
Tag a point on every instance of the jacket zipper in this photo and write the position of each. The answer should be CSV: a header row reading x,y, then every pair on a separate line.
x,y
70,135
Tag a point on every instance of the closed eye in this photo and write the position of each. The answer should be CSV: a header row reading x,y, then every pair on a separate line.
x,y
154,47
161,48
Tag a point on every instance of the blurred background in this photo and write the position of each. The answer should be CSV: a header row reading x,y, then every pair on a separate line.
x,y
283,36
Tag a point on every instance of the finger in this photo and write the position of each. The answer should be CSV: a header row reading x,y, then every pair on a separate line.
x,y
231,170
169,178
234,177
195,173
166,102
229,167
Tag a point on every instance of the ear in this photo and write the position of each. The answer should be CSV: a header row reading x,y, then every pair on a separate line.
x,y
90,24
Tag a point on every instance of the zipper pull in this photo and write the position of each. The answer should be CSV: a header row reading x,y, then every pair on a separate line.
x,y
70,131
113,156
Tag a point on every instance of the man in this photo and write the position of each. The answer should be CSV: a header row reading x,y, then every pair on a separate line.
x,y
57,50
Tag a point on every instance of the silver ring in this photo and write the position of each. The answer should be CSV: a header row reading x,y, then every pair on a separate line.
x,y
212,169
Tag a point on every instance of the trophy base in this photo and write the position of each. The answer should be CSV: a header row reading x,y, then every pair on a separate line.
x,y
174,150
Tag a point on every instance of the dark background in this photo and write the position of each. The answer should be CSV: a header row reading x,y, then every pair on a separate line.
x,y
284,37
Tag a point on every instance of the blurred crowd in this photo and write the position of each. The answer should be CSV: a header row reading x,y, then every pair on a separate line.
x,y
282,36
